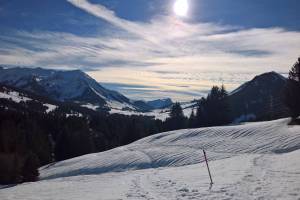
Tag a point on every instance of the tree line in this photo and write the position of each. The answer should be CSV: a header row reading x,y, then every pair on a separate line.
x,y
213,110
31,139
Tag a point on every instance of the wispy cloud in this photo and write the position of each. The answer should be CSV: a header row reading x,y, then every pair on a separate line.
x,y
164,44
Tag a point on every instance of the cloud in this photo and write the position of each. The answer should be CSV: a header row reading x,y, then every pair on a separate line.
x,y
194,54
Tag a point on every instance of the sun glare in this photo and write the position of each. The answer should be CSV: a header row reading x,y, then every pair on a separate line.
x,y
181,7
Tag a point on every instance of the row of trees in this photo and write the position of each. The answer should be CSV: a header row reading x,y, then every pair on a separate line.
x,y
214,110
30,139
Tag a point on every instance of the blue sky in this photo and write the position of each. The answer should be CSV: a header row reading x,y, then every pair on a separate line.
x,y
143,49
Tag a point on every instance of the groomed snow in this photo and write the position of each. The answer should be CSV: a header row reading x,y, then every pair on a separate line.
x,y
250,161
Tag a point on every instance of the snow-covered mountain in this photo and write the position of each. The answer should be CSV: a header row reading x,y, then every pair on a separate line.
x,y
22,101
66,86
251,161
160,103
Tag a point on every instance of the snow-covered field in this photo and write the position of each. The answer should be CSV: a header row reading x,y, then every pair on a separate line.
x,y
250,161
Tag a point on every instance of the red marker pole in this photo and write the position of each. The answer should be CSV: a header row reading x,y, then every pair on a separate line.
x,y
211,182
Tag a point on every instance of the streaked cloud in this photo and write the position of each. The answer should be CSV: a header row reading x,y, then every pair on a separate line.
x,y
165,53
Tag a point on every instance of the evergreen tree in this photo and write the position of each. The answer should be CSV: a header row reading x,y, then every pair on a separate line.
x,y
29,138
176,111
200,119
214,110
292,90
74,140
176,119
192,120
30,171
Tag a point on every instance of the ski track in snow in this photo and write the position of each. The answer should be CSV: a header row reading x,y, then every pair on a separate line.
x,y
251,161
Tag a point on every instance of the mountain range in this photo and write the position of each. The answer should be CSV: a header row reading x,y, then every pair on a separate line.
x,y
73,86
257,99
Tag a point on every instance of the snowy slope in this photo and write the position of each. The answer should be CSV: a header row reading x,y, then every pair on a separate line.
x,y
246,177
12,95
250,161
183,147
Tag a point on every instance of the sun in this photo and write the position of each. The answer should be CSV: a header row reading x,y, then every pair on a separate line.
x,y
181,7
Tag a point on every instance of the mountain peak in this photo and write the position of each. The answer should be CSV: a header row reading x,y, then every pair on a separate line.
x,y
160,103
258,97
61,85
270,75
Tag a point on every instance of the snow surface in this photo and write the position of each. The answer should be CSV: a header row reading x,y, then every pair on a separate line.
x,y
14,96
118,106
50,107
90,106
250,161
74,114
161,114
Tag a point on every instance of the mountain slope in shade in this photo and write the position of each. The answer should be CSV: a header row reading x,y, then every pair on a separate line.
x,y
259,99
65,86
22,101
18,100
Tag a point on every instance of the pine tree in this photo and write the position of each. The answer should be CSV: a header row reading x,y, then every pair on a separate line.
x,y
292,90
30,171
214,110
224,106
294,73
176,119
192,120
176,111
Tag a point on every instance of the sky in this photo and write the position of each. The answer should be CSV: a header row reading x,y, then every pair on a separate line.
x,y
145,50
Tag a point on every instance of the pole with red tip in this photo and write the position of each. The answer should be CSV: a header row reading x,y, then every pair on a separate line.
x,y
211,182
